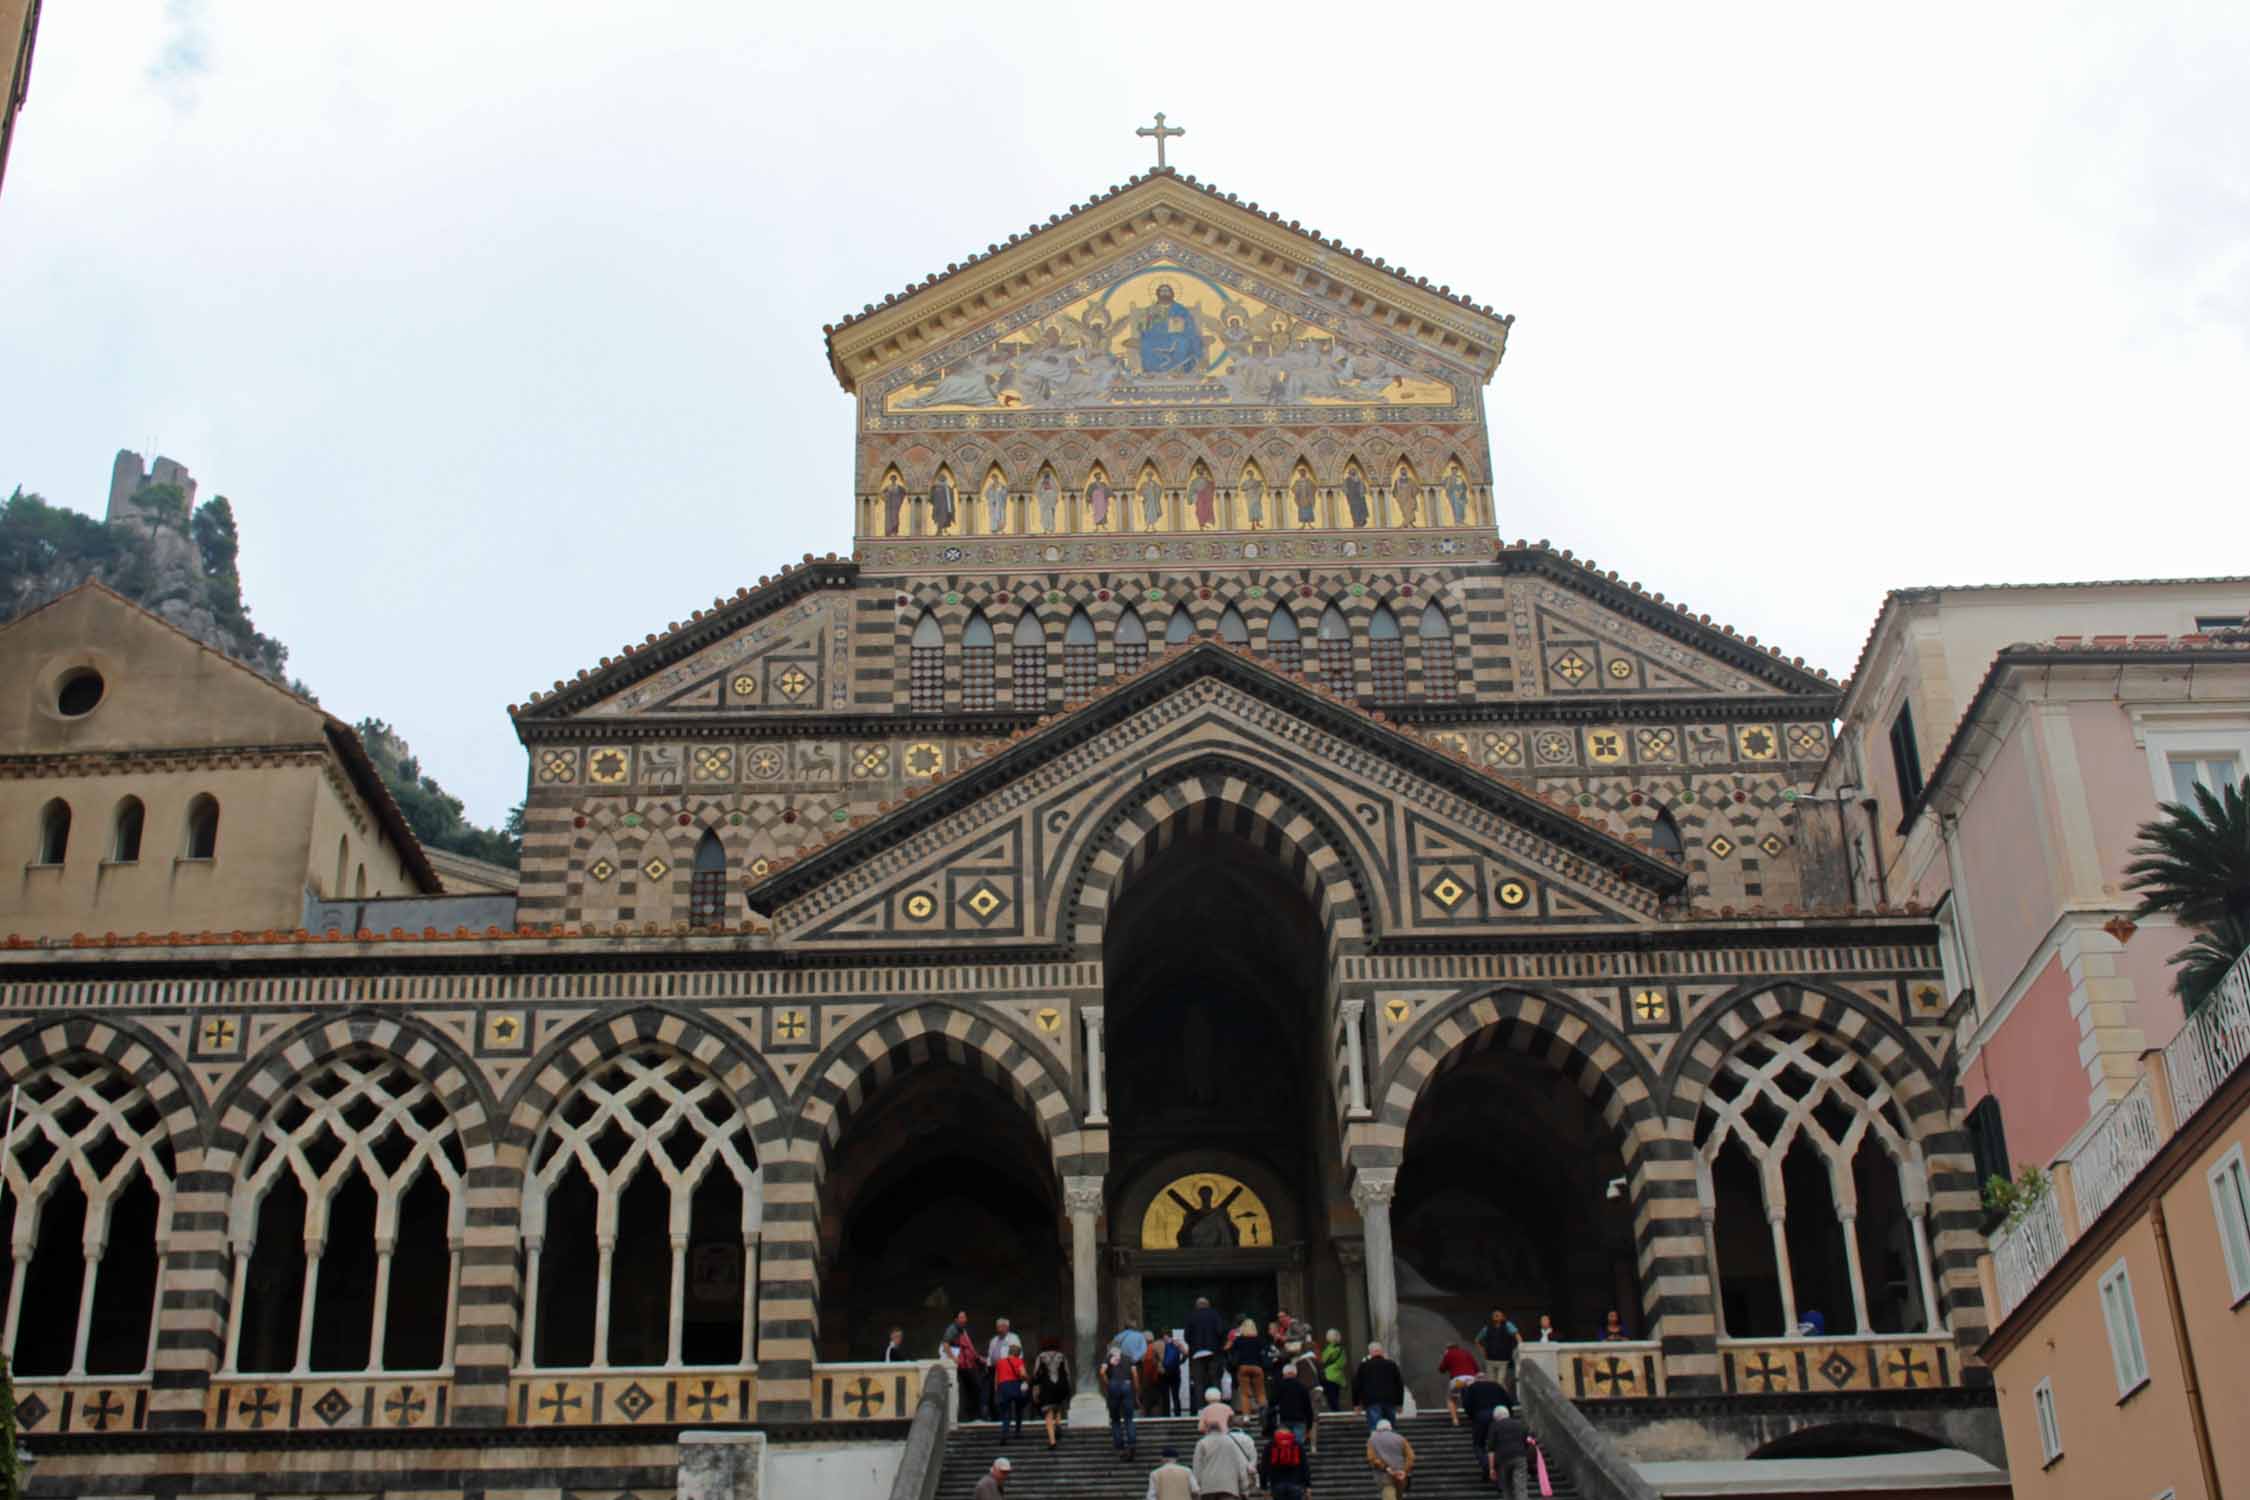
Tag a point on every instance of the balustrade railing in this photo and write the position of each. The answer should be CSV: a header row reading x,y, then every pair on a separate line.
x,y
2027,1250
2123,1139
2212,1044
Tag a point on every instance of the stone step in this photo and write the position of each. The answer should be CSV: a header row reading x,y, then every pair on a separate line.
x,y
1083,1466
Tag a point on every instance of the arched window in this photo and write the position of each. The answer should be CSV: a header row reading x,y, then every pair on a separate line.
x,y
125,831
1386,654
54,833
1030,662
1818,1193
346,1225
707,886
1080,667
359,884
925,671
203,827
1335,649
89,1216
1180,629
1132,642
1439,679
1233,629
1284,644
976,662
343,866
1664,835
641,1211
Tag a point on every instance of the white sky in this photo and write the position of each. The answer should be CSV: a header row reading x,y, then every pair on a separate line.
x,y
500,323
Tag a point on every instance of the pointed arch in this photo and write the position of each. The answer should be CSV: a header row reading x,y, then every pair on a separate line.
x,y
945,502
1440,678
1285,645
978,658
992,497
1046,512
1233,795
707,885
1204,503
1406,492
890,498
1131,638
1102,501
1664,835
925,665
645,1160
1081,657
1304,494
1359,499
1149,507
1251,486
1233,629
1386,654
90,1170
1335,649
1028,662
1458,492
1179,626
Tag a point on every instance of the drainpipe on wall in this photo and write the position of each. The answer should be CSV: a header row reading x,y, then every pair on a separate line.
x,y
2188,1383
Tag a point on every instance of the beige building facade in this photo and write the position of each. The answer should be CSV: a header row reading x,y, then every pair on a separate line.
x,y
156,787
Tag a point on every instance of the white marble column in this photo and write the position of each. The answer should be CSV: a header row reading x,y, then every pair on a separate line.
x,y
1351,1254
1082,1196
1372,1190
1353,1011
1097,1093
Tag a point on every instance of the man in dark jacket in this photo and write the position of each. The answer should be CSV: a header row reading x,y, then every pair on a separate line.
x,y
1292,1400
1206,1337
1507,1453
1378,1389
1480,1398
1498,1340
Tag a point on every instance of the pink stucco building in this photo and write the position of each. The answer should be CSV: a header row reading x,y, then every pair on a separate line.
x,y
1999,748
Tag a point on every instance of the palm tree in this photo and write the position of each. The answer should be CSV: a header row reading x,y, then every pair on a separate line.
x,y
2193,863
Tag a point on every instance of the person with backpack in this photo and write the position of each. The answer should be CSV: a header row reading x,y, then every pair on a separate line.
x,y
1051,1385
1174,1360
1148,1374
1117,1387
1285,1469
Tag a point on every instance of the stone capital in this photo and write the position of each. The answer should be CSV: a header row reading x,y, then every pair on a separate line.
x,y
1352,1009
1082,1195
1373,1185
1351,1254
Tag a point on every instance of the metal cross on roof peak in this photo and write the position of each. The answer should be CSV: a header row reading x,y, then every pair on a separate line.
x,y
1160,130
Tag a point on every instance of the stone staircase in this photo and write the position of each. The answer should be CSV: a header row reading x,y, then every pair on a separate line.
x,y
1084,1467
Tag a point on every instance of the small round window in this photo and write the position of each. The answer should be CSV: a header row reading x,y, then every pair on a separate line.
x,y
79,692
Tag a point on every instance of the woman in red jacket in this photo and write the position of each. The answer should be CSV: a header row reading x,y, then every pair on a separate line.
x,y
1008,1385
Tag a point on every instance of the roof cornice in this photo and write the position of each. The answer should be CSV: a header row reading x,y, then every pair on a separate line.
x,y
1162,202
1057,735
680,640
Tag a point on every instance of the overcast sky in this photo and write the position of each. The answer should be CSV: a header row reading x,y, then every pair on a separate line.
x,y
501,323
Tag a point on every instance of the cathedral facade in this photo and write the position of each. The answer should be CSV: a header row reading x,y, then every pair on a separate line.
x,y
1180,852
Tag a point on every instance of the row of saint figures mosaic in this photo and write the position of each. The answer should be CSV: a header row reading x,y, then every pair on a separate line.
x,y
1250,502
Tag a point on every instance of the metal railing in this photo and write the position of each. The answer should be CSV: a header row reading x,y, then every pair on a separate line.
x,y
2027,1250
2212,1044
2124,1138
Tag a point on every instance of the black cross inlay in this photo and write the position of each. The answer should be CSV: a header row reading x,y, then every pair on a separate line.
x,y
257,1404
1768,1372
865,1397
706,1400
561,1402
100,1414
1904,1368
405,1408
1614,1378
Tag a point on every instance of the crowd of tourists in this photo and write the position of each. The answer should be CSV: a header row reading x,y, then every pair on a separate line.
x,y
1238,1379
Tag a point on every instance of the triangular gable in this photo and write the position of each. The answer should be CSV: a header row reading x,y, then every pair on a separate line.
x,y
778,646
1192,220
989,854
1581,633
